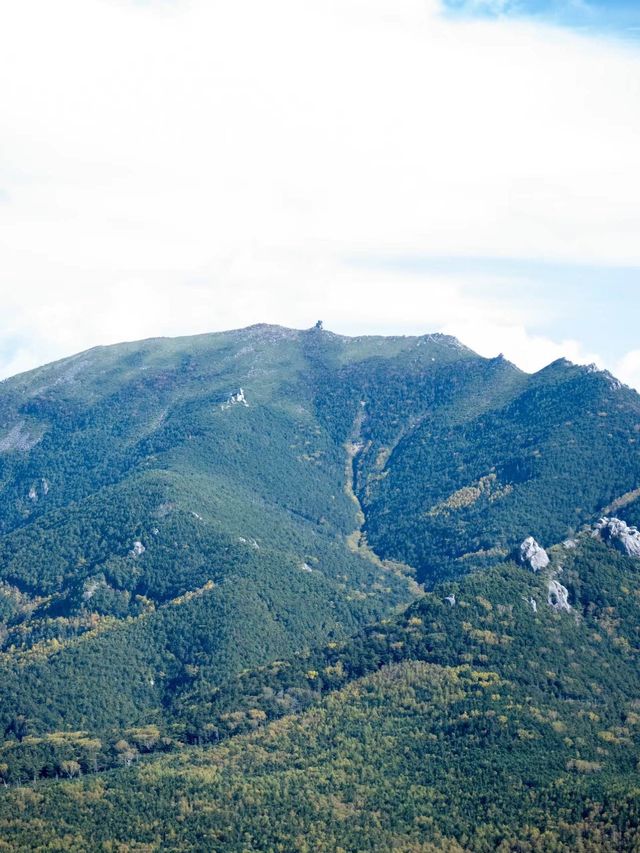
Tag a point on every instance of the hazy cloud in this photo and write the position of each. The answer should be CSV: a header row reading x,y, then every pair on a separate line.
x,y
628,369
189,166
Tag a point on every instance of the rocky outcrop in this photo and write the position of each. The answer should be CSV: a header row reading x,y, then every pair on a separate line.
x,y
533,555
451,599
616,532
558,596
235,399
138,549
91,586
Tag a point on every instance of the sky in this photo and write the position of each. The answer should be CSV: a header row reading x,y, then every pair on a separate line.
x,y
173,167
596,17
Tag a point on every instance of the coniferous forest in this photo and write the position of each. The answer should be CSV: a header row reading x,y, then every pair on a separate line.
x,y
266,590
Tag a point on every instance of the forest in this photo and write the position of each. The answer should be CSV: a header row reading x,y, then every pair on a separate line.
x,y
296,618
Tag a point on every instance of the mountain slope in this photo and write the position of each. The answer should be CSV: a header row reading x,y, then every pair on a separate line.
x,y
485,725
173,512
463,484
146,485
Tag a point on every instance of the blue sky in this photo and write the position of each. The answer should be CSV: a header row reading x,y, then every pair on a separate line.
x,y
390,166
599,304
613,17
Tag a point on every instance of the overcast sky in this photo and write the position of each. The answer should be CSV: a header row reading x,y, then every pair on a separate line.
x,y
388,166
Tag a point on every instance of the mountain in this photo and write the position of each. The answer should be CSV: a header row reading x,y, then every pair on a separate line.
x,y
189,527
483,724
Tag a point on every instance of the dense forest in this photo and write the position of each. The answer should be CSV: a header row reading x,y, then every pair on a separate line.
x,y
476,725
261,590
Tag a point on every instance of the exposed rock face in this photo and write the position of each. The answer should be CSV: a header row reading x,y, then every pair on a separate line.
x,y
138,549
617,533
33,494
534,605
235,399
451,599
558,596
91,586
20,438
533,555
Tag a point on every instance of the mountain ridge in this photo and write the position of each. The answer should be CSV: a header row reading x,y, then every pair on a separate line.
x,y
287,331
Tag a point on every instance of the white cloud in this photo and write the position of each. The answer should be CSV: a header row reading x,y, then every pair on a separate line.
x,y
628,369
296,291
176,167
492,6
